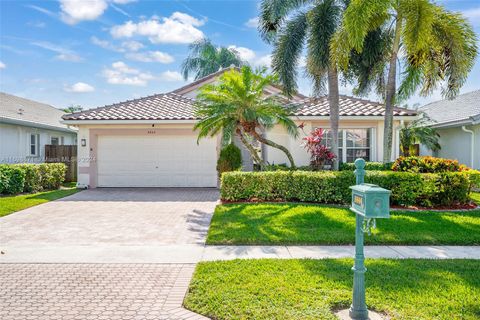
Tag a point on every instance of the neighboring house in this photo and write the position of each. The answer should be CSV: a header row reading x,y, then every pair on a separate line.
x,y
150,142
458,123
26,126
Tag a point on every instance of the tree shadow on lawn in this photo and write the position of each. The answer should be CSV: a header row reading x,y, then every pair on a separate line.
x,y
313,224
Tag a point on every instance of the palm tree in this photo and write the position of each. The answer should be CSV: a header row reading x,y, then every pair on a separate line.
x,y
237,105
419,131
291,25
436,48
205,58
72,108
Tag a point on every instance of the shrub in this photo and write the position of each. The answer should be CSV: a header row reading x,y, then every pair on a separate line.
x,y
17,178
52,175
32,177
427,165
230,159
333,187
12,179
377,166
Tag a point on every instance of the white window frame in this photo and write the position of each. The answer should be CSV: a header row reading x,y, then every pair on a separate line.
x,y
37,144
55,137
371,147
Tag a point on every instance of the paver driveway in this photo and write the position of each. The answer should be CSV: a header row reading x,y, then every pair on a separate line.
x,y
103,224
115,216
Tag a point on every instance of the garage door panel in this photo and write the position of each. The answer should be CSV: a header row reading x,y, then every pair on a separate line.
x,y
156,161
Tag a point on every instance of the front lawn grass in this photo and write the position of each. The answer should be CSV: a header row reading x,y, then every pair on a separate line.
x,y
303,224
10,204
311,289
475,196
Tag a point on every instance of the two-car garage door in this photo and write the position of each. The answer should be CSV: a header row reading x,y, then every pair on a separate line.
x,y
156,161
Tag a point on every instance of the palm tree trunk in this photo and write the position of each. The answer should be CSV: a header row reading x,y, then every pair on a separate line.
x,y
251,149
272,144
390,93
334,111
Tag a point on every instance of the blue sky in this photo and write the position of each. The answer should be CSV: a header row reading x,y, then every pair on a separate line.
x,y
96,52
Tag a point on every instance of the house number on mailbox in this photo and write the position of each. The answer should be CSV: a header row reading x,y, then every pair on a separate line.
x,y
358,200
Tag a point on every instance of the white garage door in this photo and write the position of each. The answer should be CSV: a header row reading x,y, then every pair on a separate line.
x,y
156,161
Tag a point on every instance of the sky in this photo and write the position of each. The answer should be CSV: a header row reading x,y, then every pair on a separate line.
x,y
98,52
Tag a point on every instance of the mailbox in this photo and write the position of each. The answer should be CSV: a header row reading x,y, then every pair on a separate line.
x,y
370,201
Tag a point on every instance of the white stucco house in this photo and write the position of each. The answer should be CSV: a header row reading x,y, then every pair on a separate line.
x,y
458,123
26,126
150,142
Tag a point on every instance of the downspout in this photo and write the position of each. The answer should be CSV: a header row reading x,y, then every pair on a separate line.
x,y
472,144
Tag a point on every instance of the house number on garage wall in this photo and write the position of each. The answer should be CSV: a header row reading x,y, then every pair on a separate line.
x,y
151,132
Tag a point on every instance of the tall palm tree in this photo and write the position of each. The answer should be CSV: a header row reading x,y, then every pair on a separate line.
x,y
205,58
436,48
419,131
237,105
291,25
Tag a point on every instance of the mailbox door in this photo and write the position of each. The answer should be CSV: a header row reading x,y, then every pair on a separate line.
x,y
378,206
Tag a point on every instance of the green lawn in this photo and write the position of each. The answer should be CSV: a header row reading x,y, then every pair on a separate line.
x,y
475,197
293,223
311,289
10,204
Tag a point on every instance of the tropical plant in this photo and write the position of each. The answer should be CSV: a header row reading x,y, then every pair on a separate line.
x,y
418,131
237,105
319,153
73,108
230,159
291,25
205,58
436,47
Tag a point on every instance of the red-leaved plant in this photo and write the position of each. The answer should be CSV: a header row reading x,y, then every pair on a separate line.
x,y
319,153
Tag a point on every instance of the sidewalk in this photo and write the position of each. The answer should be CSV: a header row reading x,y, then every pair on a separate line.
x,y
197,253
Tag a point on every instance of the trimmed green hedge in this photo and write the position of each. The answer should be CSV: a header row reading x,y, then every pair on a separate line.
x,y
379,166
17,178
333,187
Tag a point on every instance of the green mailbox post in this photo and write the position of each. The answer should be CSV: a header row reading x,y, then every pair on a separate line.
x,y
369,202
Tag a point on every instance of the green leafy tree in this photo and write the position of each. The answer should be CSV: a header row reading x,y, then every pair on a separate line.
x,y
418,131
292,26
436,47
237,105
73,108
205,58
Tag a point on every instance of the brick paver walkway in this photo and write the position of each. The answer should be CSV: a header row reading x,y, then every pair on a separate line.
x,y
148,221
94,291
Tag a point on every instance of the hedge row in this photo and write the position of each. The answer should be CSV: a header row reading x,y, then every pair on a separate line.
x,y
17,178
333,187
427,165
378,166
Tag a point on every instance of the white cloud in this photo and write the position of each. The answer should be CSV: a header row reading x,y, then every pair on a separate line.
x,y
64,54
123,1
172,76
252,23
178,28
37,24
473,15
70,57
121,73
74,11
251,57
80,87
2,65
105,44
150,56
42,10
132,45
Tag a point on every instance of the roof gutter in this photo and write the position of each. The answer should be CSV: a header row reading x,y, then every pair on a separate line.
x,y
80,122
472,144
36,125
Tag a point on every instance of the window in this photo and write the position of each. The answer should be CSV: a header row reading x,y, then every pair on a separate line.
x,y
352,144
54,141
34,144
62,141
